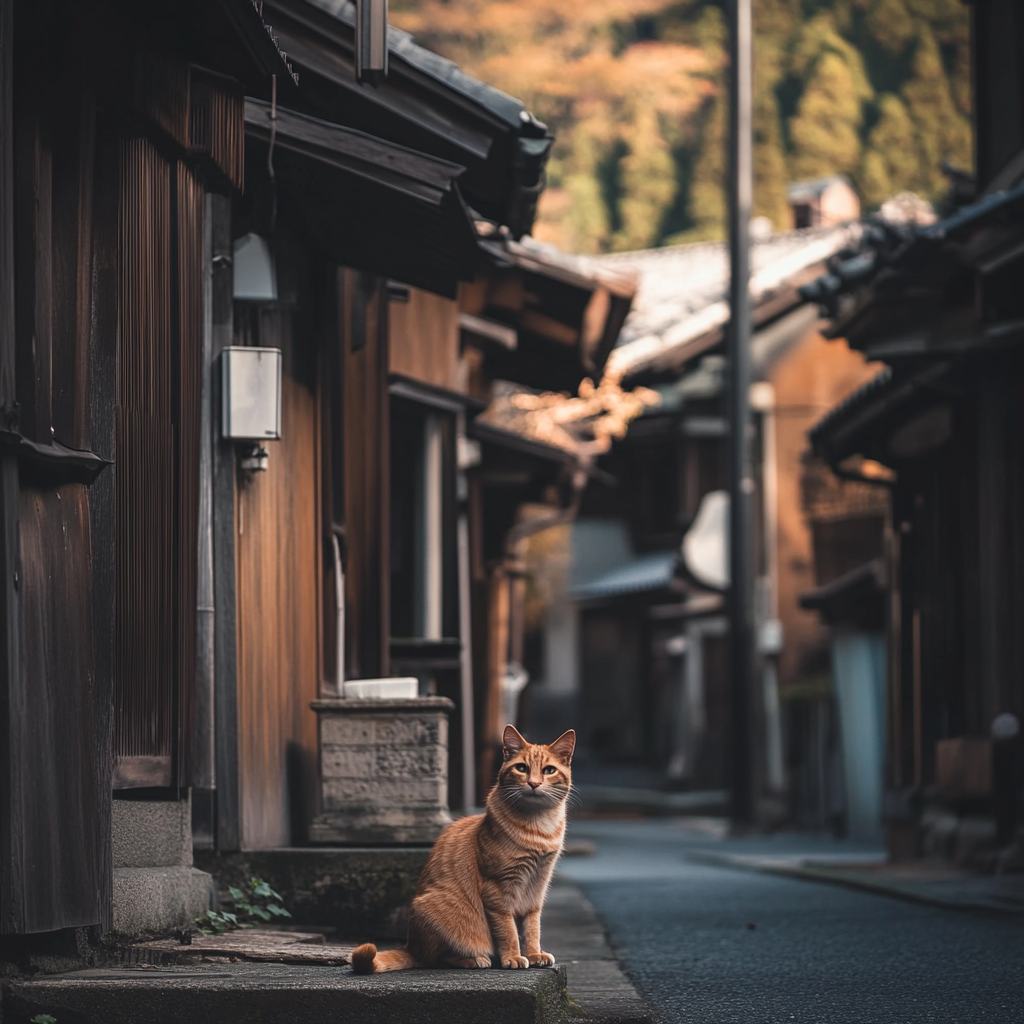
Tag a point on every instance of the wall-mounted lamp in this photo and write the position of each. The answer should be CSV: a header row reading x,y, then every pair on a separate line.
x,y
255,276
371,41
251,401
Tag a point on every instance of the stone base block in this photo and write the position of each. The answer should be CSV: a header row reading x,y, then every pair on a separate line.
x,y
376,825
159,900
383,771
151,833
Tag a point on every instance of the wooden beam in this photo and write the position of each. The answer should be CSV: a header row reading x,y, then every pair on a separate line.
x,y
11,881
366,411
225,639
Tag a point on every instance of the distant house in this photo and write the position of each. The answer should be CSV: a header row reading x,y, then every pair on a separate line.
x,y
823,202
637,657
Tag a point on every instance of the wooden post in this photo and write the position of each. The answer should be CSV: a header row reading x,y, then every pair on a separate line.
x,y
225,637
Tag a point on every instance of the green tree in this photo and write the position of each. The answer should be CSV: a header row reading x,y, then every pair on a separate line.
x,y
940,131
890,24
770,174
824,134
648,178
707,206
891,160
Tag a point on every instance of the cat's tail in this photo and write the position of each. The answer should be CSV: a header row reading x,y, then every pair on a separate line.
x,y
366,959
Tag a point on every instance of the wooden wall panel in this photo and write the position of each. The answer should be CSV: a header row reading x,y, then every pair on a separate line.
x,y
144,689
278,587
365,410
423,336
811,378
60,841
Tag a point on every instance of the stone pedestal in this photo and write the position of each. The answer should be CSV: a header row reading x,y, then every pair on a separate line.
x,y
156,888
383,770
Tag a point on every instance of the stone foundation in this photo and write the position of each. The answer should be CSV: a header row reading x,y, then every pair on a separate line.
x,y
383,771
156,888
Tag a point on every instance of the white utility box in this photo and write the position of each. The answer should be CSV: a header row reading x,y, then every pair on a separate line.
x,y
397,688
251,395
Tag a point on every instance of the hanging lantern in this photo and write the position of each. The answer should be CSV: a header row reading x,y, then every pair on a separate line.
x,y
371,41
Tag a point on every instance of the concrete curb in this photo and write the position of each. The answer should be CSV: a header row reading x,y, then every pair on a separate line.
x,y
600,990
288,994
978,895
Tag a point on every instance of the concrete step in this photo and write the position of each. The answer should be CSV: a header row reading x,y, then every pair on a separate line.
x,y
289,994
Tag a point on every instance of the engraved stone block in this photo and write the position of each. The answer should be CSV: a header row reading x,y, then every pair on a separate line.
x,y
383,770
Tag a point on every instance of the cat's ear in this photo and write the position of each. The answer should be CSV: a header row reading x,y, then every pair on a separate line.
x,y
563,747
511,742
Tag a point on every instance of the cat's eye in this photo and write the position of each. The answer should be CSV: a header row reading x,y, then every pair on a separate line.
x,y
550,769
521,768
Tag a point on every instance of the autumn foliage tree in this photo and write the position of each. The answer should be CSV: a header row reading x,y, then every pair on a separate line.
x,y
634,92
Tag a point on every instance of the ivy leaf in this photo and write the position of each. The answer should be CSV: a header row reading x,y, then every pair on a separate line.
x,y
277,911
236,894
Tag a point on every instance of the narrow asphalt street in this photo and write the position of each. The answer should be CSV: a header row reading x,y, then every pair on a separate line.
x,y
716,945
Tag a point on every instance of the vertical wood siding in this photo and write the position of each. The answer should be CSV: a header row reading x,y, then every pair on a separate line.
x,y
159,386
54,752
278,587
59,841
144,631
216,124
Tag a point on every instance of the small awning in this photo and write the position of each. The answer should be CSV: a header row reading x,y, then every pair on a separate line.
x,y
370,204
653,571
855,598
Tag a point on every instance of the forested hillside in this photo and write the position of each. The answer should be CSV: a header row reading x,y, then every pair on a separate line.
x,y
876,89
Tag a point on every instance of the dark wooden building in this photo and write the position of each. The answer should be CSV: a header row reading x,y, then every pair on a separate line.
x,y
942,428
114,122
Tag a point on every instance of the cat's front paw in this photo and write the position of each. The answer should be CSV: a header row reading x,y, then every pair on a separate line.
x,y
541,960
514,962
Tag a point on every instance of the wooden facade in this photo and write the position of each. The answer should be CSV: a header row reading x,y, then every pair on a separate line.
x,y
941,428
101,256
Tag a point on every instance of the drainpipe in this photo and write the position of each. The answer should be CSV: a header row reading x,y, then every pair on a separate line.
x,y
205,772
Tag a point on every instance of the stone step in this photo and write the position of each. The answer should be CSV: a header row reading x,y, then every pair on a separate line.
x,y
289,994
362,892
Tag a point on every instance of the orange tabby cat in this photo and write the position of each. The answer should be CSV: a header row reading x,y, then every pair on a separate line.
x,y
490,872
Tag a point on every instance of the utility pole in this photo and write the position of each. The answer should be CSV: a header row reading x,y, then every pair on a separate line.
x,y
741,484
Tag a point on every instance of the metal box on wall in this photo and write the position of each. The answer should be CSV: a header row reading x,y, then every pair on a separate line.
x,y
251,394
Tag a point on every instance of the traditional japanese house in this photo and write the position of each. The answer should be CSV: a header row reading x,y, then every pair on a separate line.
x,y
115,121
941,428
399,294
